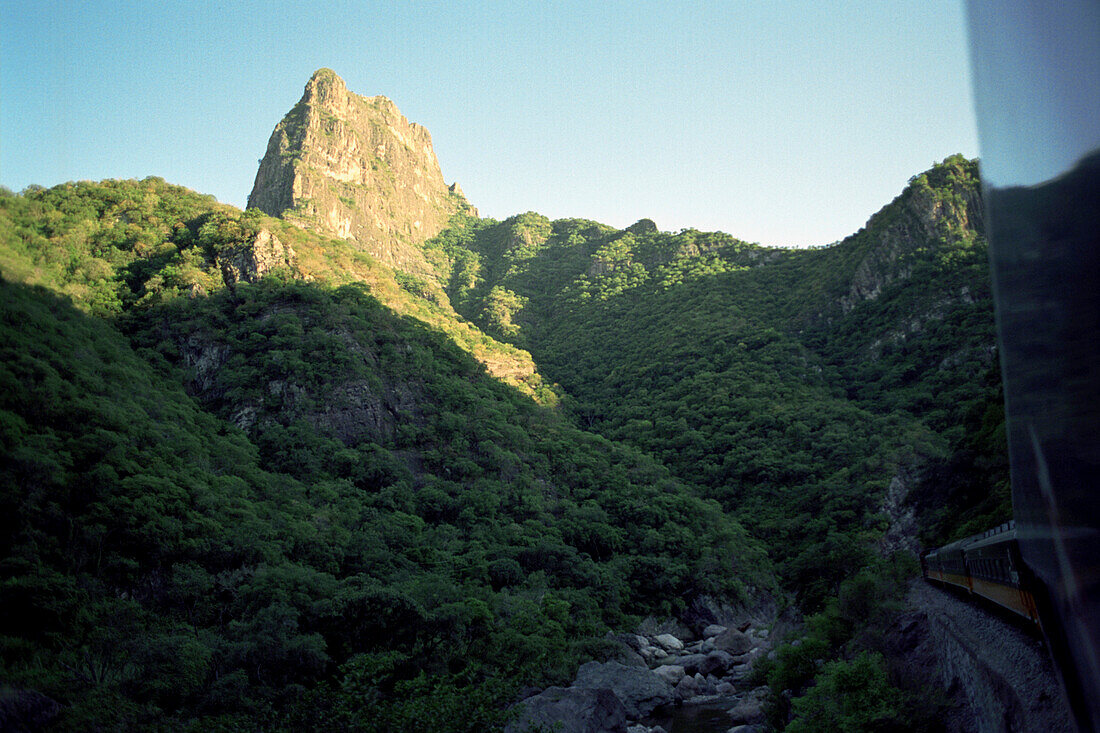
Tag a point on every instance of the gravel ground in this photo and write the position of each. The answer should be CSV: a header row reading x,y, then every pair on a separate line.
x,y
1004,673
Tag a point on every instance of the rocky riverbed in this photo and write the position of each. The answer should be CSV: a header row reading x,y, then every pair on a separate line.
x,y
655,674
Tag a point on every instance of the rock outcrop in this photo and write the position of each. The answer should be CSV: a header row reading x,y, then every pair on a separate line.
x,y
571,710
355,167
250,262
916,217
639,689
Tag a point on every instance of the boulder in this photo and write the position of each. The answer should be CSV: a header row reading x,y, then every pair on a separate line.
x,y
691,663
724,688
639,690
740,670
669,642
571,710
733,641
716,661
633,659
670,673
713,630
649,654
706,686
686,688
749,710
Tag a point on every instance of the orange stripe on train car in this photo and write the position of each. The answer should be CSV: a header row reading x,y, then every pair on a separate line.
x,y
959,580
1014,599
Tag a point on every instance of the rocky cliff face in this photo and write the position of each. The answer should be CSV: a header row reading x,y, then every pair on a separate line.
x,y
356,168
916,218
251,261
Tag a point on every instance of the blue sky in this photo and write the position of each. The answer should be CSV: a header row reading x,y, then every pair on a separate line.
x,y
783,122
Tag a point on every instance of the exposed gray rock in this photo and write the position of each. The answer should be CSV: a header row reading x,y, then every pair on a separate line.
x,y
354,167
250,262
748,710
691,663
713,630
707,685
686,688
716,661
733,641
670,673
633,659
738,671
669,642
571,710
651,653
724,688
639,689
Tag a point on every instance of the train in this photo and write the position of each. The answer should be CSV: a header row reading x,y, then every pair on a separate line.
x,y
988,565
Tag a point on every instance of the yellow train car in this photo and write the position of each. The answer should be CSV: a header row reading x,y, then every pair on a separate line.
x,y
986,565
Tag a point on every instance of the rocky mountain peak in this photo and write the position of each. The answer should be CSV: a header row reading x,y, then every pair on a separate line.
x,y
354,167
326,89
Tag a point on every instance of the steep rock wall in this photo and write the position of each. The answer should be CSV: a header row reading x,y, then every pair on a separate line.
x,y
1003,675
355,167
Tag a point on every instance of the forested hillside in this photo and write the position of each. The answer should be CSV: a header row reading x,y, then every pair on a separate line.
x,y
284,503
791,385
255,478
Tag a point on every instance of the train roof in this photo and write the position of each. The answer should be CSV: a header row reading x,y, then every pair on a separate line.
x,y
1004,533
1000,533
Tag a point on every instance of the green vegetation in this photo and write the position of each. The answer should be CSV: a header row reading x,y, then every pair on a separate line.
x,y
291,488
756,373
322,568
